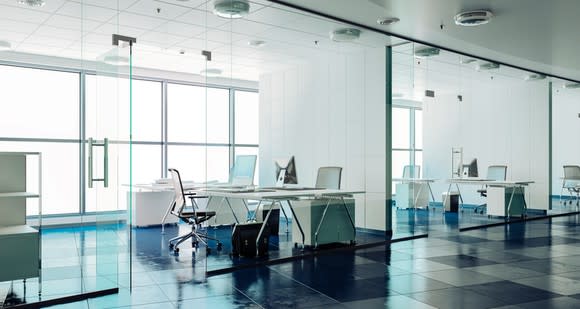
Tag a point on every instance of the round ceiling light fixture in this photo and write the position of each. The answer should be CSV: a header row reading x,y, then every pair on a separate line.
x,y
473,18
571,85
231,8
33,3
345,35
534,76
386,21
5,45
485,66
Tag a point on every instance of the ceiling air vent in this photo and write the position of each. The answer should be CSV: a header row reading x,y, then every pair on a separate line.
x,y
424,52
473,18
534,76
572,85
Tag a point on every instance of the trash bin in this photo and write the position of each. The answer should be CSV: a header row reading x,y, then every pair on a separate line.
x,y
450,202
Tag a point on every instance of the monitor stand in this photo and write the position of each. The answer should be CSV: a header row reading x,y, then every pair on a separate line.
x,y
280,179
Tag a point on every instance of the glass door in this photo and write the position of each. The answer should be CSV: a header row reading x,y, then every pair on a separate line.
x,y
108,164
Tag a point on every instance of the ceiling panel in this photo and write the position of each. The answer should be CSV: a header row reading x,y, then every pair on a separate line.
x,y
72,23
110,4
272,16
20,14
85,11
49,7
245,26
38,49
202,18
198,44
60,33
157,9
181,3
181,29
138,21
159,39
48,41
13,37
16,26
110,28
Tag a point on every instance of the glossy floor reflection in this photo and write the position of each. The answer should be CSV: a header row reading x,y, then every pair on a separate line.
x,y
524,265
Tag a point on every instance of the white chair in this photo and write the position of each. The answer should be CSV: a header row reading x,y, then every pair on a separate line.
x,y
571,182
494,172
329,177
412,171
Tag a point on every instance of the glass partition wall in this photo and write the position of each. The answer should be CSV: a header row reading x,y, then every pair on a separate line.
x,y
465,122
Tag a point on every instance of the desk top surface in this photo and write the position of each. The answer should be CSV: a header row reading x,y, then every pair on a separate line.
x,y
489,182
265,194
416,180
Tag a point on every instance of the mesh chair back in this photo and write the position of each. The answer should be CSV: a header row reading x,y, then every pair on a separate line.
x,y
329,177
496,172
412,171
179,203
571,175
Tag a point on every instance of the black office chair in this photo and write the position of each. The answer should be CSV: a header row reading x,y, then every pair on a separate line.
x,y
494,172
191,216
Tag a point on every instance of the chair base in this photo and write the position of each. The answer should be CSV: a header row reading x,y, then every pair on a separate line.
x,y
196,238
479,209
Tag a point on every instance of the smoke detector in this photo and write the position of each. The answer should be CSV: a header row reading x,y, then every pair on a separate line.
x,y
425,52
473,18
487,66
32,3
345,34
231,8
534,76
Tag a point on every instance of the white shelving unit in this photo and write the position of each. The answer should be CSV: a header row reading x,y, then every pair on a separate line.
x,y
19,243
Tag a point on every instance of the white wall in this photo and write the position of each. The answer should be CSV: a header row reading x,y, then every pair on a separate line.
x,y
503,120
330,111
565,129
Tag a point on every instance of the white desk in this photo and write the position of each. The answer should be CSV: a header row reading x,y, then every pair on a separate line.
x,y
402,196
273,197
496,203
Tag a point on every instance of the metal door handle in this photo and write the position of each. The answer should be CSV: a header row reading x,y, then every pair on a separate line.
x,y
105,145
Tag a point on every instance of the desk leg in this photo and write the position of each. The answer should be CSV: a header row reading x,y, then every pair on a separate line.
x,y
509,206
459,191
232,209
285,216
165,216
295,218
431,191
349,218
417,195
253,218
320,223
446,196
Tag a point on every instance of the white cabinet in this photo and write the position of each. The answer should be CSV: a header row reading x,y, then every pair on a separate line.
x,y
149,207
412,195
19,243
498,200
335,228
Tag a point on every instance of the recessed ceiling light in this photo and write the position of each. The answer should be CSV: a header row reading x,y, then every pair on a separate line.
x,y
466,60
5,45
424,52
473,18
534,76
385,21
231,8
32,3
345,34
116,60
211,72
257,43
487,66
571,85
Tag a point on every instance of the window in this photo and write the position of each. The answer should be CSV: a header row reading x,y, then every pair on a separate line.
x,y
407,128
247,117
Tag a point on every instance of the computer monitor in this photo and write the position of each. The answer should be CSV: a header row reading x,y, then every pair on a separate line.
x,y
286,172
470,170
243,171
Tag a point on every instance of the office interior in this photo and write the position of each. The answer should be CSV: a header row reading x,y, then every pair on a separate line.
x,y
274,85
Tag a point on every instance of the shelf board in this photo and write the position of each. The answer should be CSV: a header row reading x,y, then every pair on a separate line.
x,y
19,194
17,230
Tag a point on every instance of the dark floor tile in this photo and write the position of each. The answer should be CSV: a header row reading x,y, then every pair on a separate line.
x,y
546,266
236,301
461,261
352,290
297,296
552,303
510,292
553,283
396,301
456,298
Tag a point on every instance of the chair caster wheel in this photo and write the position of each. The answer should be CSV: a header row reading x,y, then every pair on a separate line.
x,y
295,245
219,246
176,250
170,246
208,250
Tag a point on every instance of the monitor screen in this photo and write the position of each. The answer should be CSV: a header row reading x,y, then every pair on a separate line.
x,y
243,170
286,170
470,170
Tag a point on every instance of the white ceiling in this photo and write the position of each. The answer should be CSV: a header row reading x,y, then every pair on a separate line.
x,y
534,34
82,29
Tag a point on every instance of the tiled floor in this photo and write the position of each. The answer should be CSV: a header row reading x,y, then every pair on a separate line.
x,y
524,265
